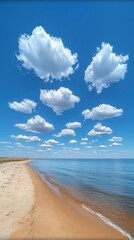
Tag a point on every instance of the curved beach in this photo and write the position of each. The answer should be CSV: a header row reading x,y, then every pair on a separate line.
x,y
52,217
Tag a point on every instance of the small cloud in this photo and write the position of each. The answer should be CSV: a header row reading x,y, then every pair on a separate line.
x,y
51,141
101,112
59,100
102,146
99,130
3,142
77,149
83,143
27,138
94,140
44,145
106,68
46,55
37,124
84,139
61,144
88,147
65,133
72,141
116,144
116,139
26,106
73,125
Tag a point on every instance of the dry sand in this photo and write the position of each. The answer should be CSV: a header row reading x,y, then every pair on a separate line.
x,y
54,218
16,196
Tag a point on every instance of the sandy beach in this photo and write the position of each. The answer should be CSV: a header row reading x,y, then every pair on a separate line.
x,y
51,217
16,196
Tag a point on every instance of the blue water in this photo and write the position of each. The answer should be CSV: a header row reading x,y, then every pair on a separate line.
x,y
104,186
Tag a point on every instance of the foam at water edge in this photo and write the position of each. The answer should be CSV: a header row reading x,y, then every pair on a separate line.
x,y
107,221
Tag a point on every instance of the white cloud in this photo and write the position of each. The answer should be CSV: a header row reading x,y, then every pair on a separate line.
x,y
84,139
116,139
101,112
61,144
88,147
46,55
83,143
94,140
102,146
73,125
26,106
65,133
99,130
59,100
27,138
116,144
106,68
46,145
72,141
51,141
37,124
4,142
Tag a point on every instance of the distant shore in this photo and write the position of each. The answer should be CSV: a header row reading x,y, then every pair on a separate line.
x,y
52,217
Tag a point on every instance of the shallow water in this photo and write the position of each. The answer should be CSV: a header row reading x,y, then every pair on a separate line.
x,y
105,186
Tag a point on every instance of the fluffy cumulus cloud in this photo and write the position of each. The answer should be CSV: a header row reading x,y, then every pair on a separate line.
x,y
44,145
116,144
26,106
59,100
84,139
51,141
83,143
72,141
102,146
73,125
26,138
37,124
65,133
116,139
99,130
101,112
106,68
46,55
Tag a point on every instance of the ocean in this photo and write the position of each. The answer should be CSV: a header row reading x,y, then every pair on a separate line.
x,y
104,187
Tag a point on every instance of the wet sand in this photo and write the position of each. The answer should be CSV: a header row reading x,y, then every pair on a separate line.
x,y
52,217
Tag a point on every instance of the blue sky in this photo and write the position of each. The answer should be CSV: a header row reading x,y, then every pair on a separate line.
x,y
73,63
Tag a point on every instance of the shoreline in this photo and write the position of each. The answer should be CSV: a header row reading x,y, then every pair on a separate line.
x,y
79,203
54,217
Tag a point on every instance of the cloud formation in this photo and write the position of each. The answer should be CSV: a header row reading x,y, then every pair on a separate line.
x,y
102,146
99,130
26,106
51,141
65,133
116,144
106,68
27,138
73,125
101,112
46,55
72,141
44,145
84,139
37,124
116,139
59,100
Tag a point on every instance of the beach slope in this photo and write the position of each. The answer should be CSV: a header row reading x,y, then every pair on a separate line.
x,y
55,218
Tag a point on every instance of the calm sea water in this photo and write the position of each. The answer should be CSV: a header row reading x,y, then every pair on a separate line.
x,y
103,186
